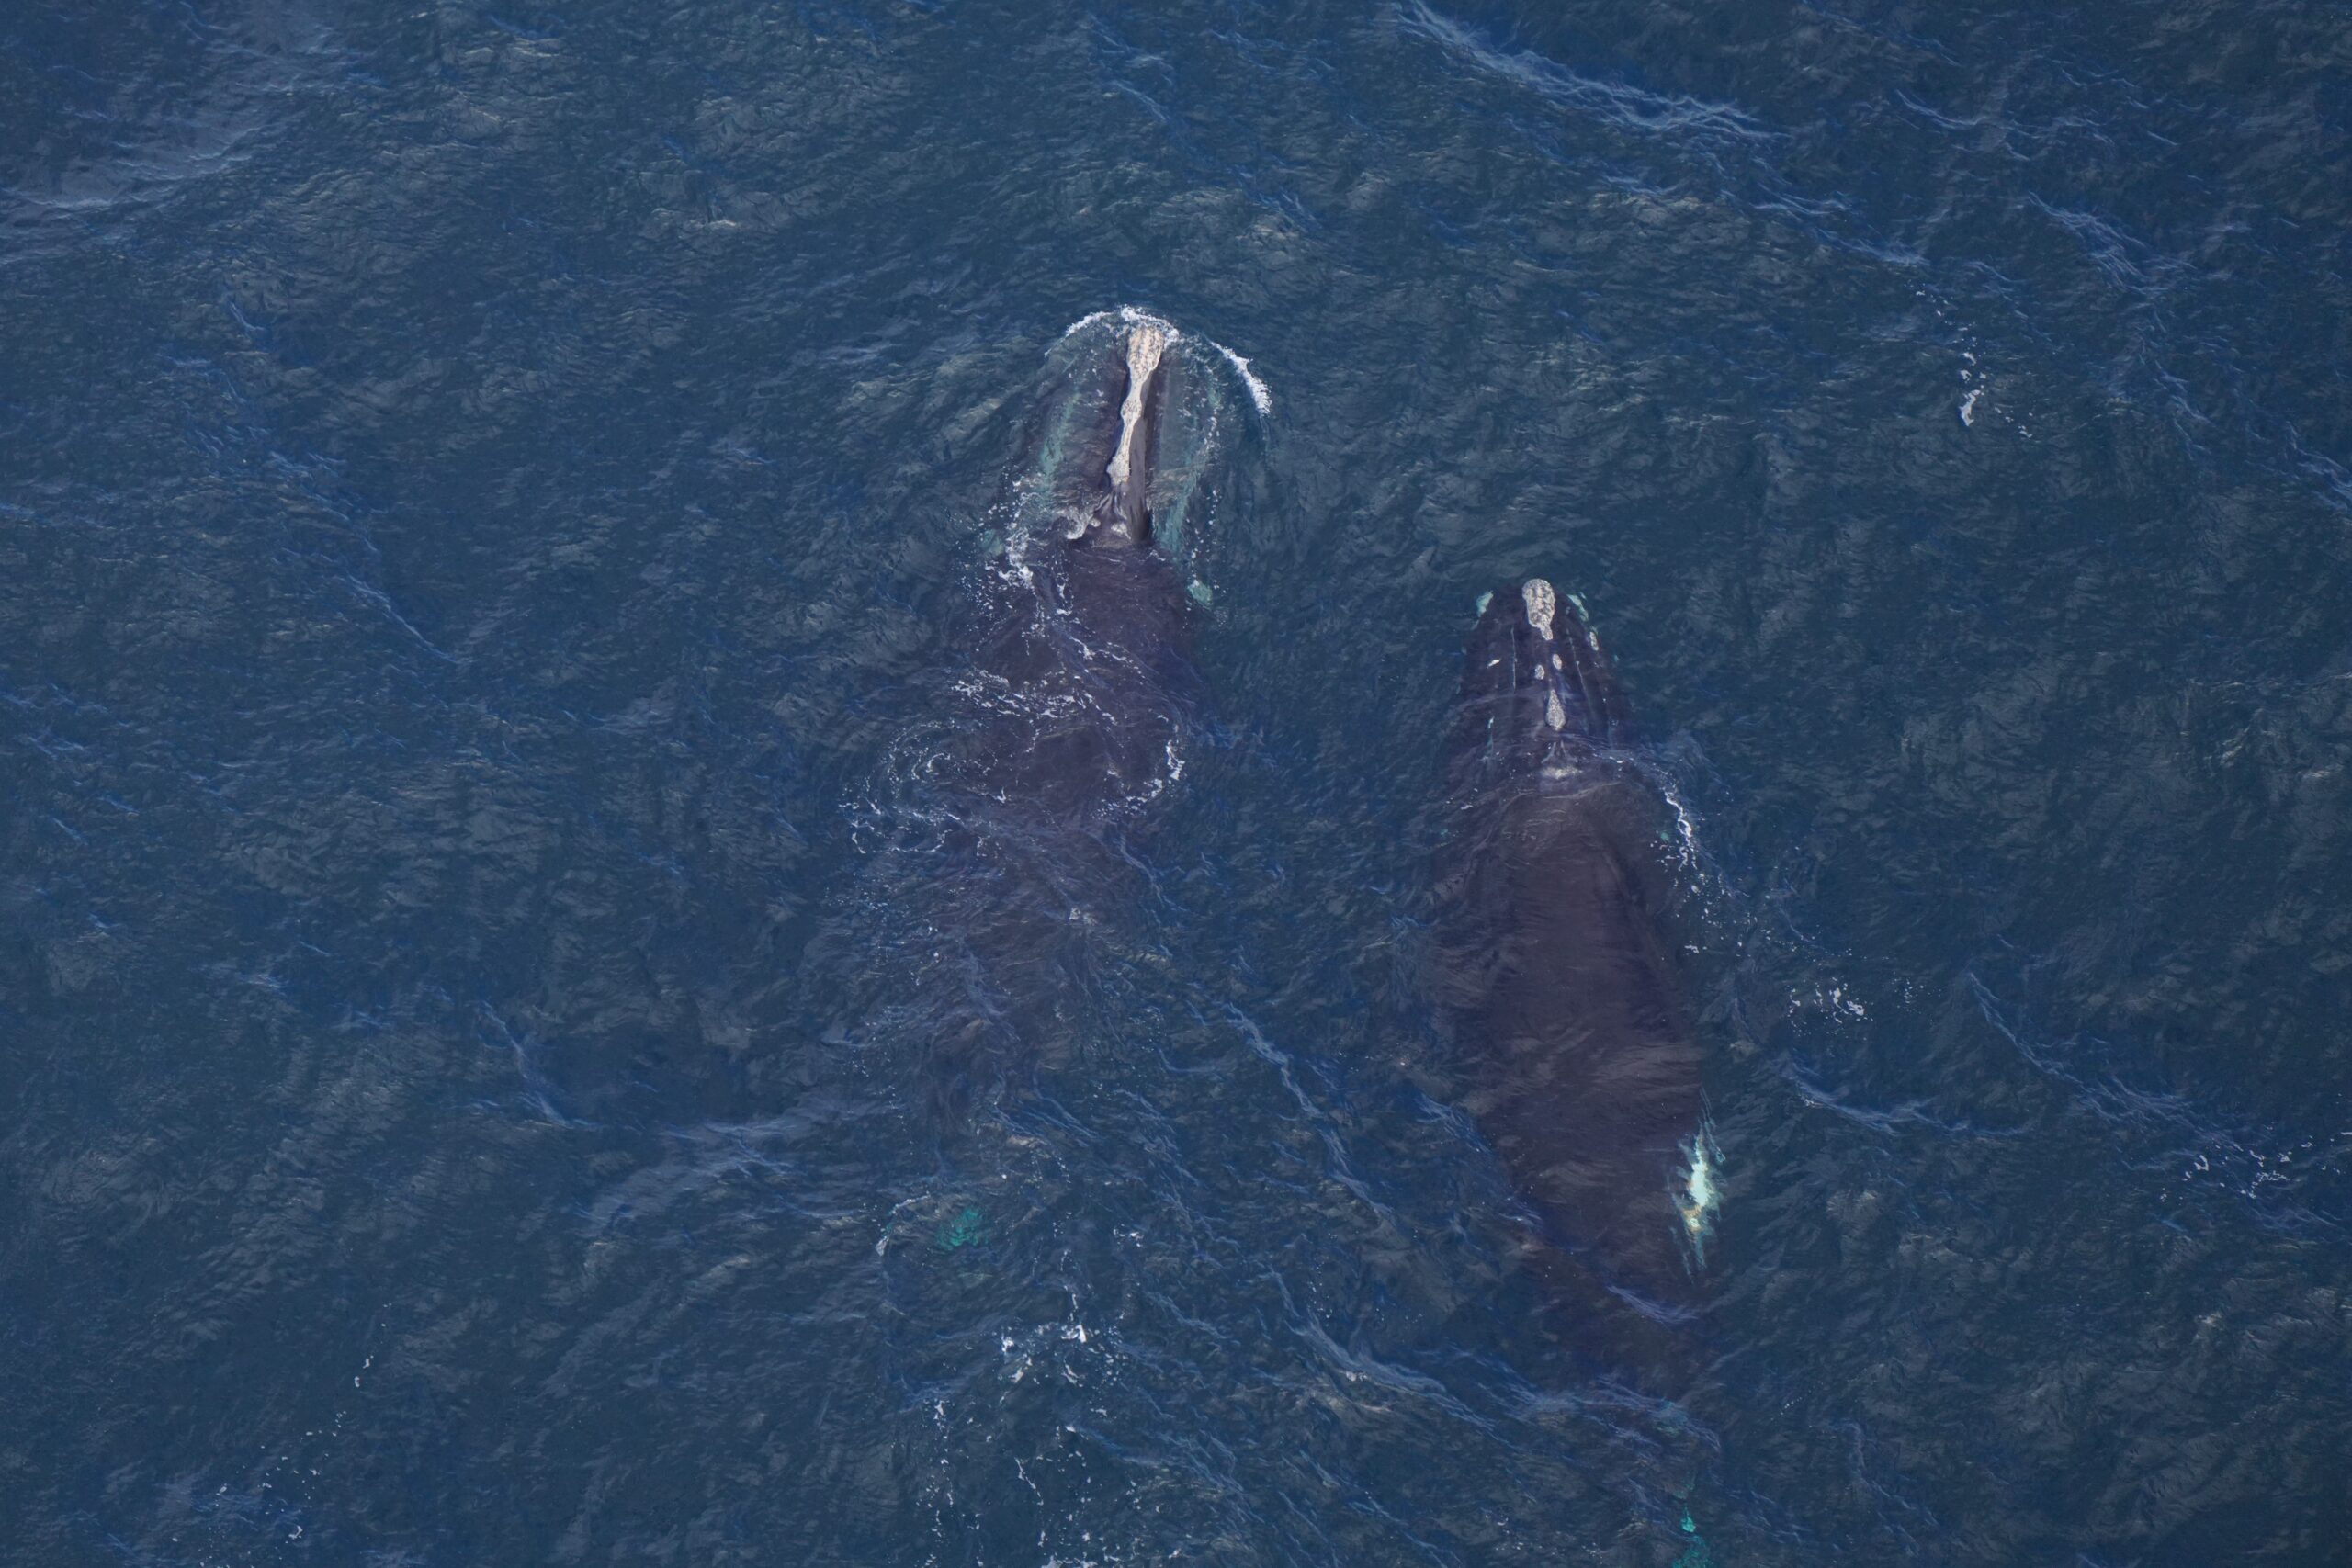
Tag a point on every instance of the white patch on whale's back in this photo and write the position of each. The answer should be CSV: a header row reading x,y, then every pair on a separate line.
x,y
1146,342
1261,397
1542,604
1698,1197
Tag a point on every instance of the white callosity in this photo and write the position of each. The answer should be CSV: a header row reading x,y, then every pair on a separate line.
x,y
1543,605
1543,610
1145,343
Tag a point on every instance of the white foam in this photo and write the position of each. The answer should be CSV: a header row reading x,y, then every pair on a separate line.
x,y
1261,397
1968,405
1083,323
1258,395
1129,315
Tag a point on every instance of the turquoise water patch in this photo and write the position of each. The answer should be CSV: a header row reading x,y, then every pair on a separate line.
x,y
967,1229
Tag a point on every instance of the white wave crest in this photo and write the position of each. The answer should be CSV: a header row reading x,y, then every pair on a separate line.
x,y
1261,397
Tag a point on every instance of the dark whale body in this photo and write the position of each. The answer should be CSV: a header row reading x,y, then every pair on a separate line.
x,y
1575,1053
1073,719
1086,668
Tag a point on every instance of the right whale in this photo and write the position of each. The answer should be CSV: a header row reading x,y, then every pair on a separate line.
x,y
1575,1053
1086,667
1028,807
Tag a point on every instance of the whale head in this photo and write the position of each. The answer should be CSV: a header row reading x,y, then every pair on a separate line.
x,y
1116,411
1539,699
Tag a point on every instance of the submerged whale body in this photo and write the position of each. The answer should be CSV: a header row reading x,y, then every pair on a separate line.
x,y
1576,1058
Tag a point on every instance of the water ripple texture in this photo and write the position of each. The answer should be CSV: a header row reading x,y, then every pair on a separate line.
x,y
498,504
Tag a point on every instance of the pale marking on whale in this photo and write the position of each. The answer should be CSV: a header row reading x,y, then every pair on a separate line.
x,y
1553,713
1541,606
1591,637
1700,1197
1261,397
1145,343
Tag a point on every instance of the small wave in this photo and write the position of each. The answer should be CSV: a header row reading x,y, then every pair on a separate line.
x,y
1089,319
1258,395
2129,262
2169,1118
1261,397
1614,101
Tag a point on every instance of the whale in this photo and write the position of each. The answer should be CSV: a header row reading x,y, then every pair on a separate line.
x,y
1027,802
1085,669
1575,1054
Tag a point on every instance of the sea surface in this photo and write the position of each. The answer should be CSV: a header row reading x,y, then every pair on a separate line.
x,y
493,498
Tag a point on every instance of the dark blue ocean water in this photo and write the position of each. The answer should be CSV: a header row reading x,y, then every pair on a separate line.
x,y
488,492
